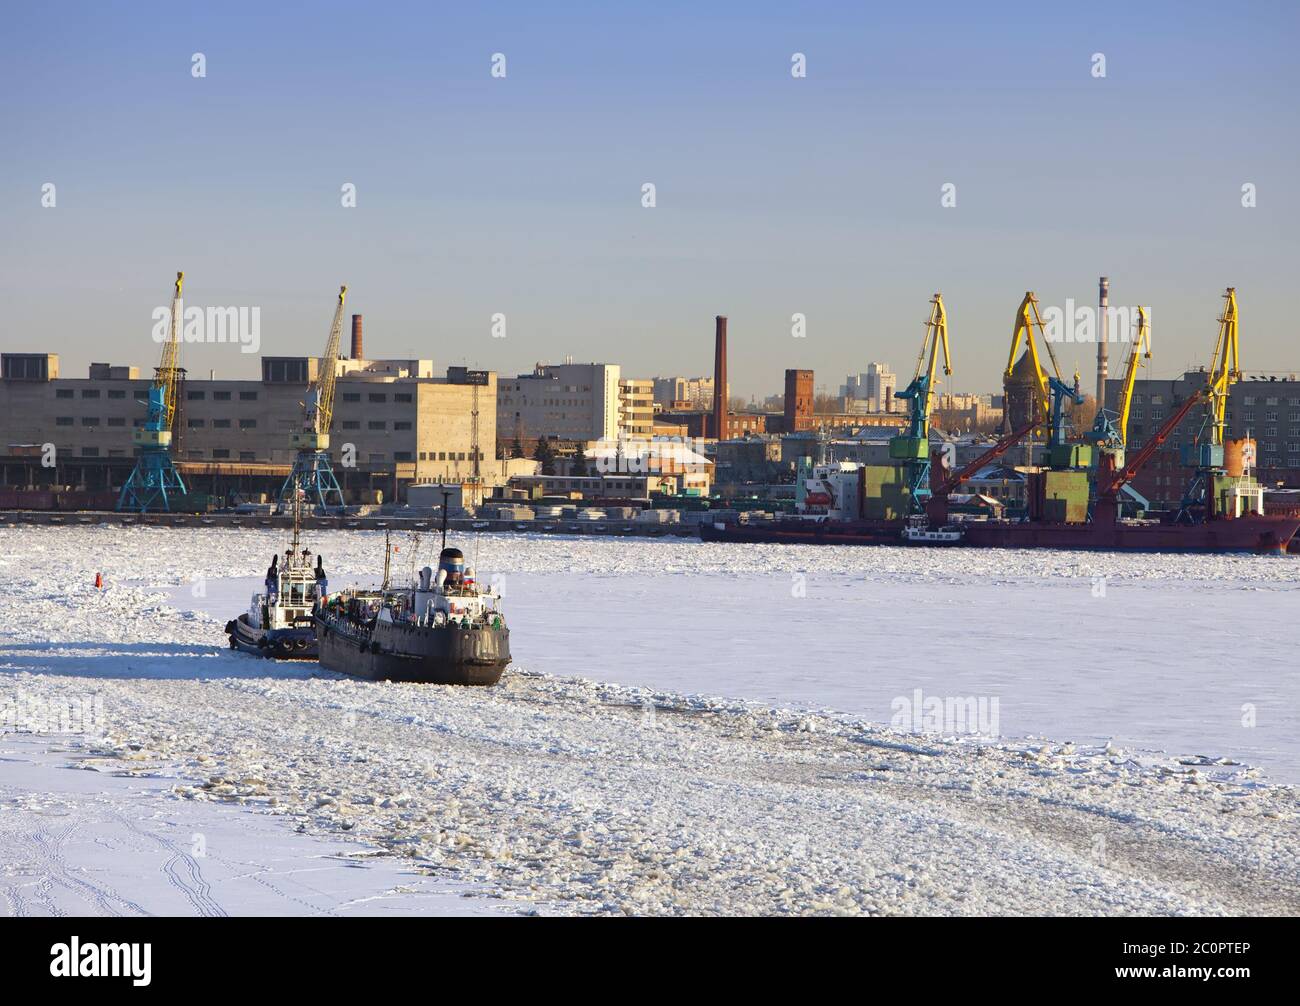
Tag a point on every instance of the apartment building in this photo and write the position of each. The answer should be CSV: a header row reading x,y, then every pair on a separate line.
x,y
636,406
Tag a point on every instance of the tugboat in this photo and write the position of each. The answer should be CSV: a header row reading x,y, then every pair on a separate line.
x,y
278,622
442,629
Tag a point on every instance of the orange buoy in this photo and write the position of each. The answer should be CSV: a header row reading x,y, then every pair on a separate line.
x,y
99,581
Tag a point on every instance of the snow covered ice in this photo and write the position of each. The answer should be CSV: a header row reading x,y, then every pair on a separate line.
x,y
605,775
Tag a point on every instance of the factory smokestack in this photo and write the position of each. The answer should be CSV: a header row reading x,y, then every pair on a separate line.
x,y
720,377
1103,337
357,351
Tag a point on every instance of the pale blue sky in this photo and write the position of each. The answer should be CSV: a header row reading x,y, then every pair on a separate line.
x,y
775,195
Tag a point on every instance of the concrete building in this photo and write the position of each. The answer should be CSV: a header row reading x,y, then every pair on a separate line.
x,y
392,419
567,401
875,386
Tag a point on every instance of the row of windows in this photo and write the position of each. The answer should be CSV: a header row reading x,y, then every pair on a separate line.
x,y
401,397
220,396
446,456
194,395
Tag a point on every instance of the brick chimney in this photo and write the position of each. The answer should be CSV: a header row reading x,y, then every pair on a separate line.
x,y
357,352
719,425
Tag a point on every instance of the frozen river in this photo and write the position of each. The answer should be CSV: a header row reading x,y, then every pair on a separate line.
x,y
687,729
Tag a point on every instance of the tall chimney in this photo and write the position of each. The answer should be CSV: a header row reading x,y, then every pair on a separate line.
x,y
720,377
357,353
1103,336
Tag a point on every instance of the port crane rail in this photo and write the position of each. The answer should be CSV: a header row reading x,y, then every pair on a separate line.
x,y
913,448
154,481
313,474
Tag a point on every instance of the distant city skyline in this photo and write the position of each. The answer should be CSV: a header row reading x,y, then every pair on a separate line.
x,y
522,196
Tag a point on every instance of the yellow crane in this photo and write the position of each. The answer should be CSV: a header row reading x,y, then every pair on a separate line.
x,y
1205,455
154,482
313,473
1027,321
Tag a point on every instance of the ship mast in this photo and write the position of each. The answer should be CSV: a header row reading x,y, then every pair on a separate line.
x,y
388,555
446,495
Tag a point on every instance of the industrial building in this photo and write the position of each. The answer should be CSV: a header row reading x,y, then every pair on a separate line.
x,y
567,401
394,422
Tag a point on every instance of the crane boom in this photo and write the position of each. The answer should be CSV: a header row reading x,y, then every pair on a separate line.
x,y
165,376
1141,350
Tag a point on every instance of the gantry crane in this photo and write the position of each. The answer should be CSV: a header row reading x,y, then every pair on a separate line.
x,y
913,447
154,483
1205,454
313,474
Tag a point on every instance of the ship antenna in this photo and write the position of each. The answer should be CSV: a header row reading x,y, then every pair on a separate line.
x,y
388,555
446,495
297,514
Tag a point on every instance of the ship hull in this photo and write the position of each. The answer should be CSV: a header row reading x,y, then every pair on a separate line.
x,y
277,644
806,532
1261,535
447,655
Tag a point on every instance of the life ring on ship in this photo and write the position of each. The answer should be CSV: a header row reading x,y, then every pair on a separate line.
x,y
300,644
284,646
230,626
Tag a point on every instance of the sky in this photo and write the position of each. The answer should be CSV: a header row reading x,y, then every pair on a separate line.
x,y
522,195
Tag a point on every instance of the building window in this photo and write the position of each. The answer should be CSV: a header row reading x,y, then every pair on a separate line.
x,y
374,397
116,421
90,452
401,425
351,424
64,393
89,420
220,453
90,393
351,396
401,455
247,456
376,424
221,396
403,398
248,396
116,393
63,421
248,424
195,424
195,396
221,424
376,459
